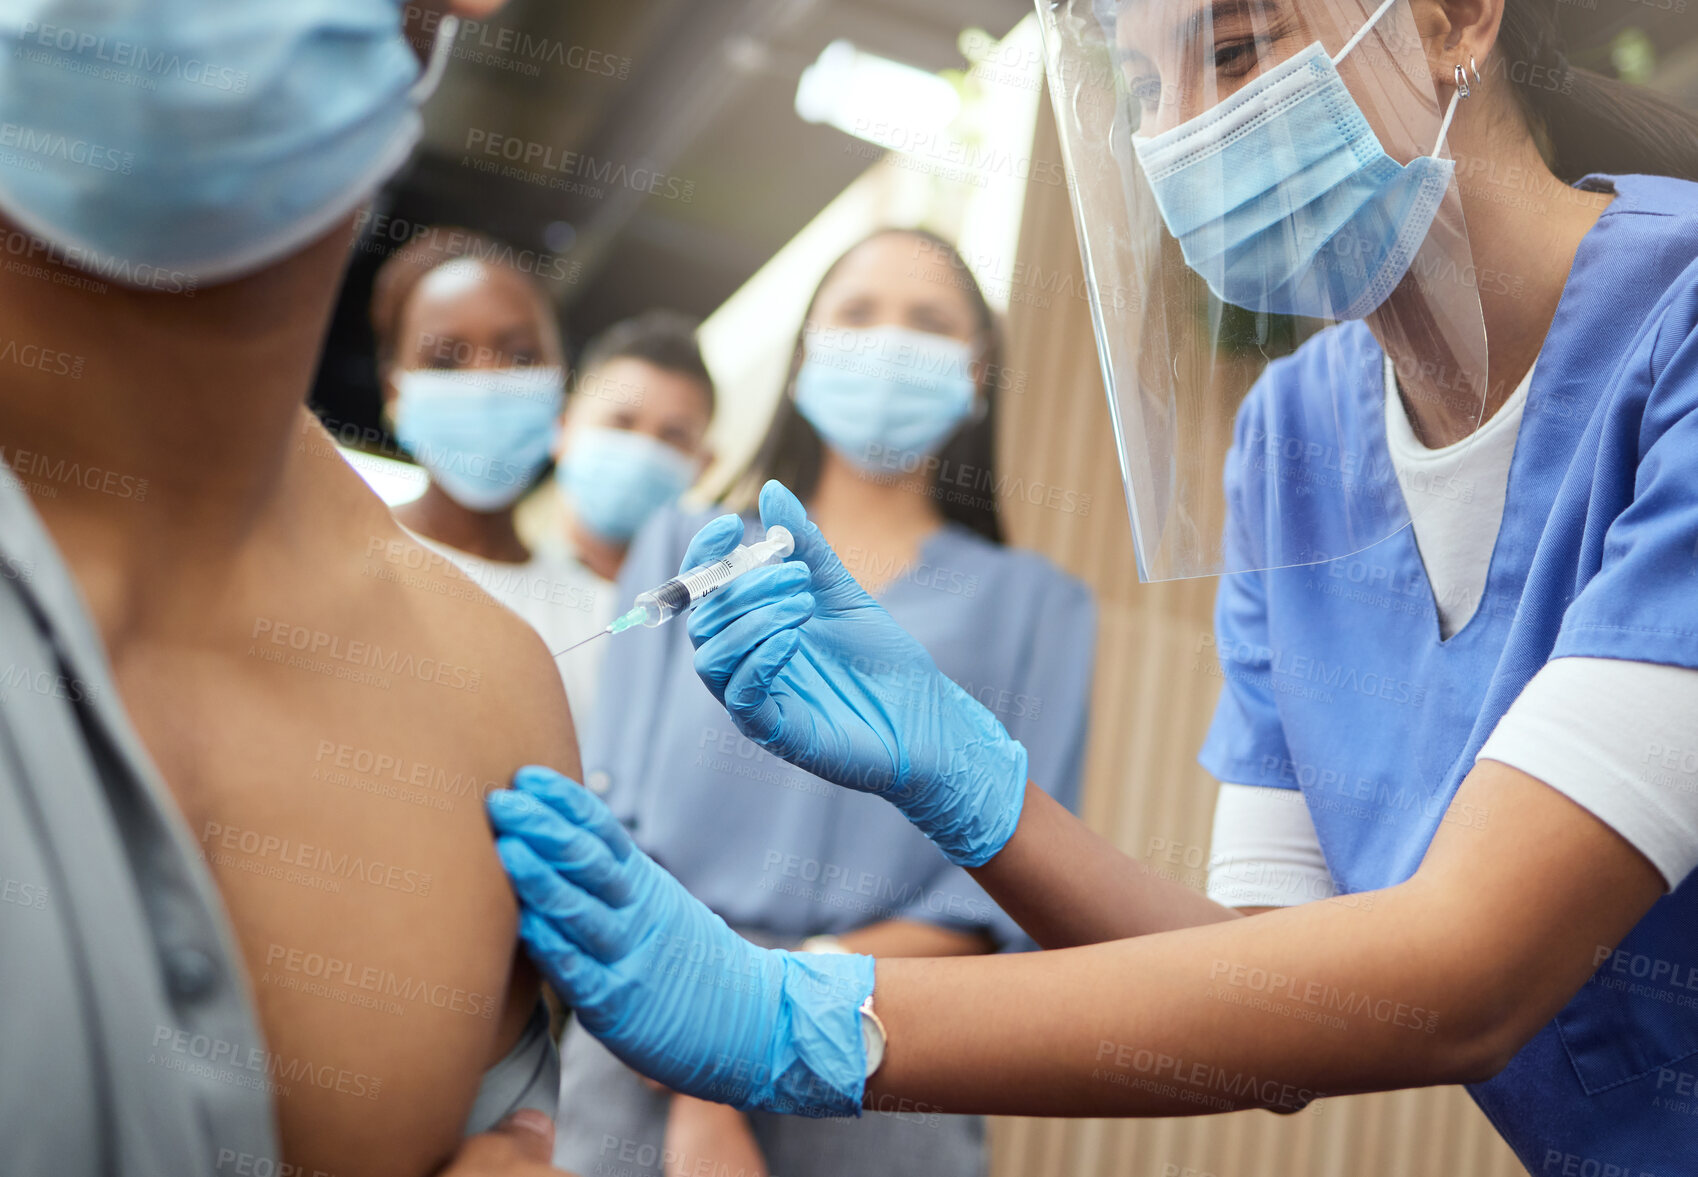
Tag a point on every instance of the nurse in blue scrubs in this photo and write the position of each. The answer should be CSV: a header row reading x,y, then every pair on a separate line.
x,y
887,430
1457,735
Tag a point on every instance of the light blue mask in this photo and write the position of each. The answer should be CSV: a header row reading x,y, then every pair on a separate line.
x,y
483,435
885,397
174,143
617,478
1282,198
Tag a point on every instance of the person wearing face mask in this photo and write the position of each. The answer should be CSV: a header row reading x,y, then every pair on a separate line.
x,y
633,436
887,428
473,382
1398,314
251,916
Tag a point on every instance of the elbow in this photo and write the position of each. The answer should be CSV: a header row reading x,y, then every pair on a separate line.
x,y
1480,1057
1482,1007
1479,1048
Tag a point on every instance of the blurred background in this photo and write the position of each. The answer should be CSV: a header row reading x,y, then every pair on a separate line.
x,y
712,158
652,153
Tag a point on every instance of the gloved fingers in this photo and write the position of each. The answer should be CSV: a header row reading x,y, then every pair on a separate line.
x,y
717,538
724,641
607,934
576,804
750,591
578,855
579,978
749,636
749,685
780,507
748,692
831,580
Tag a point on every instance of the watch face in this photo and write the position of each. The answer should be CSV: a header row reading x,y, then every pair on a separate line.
x,y
872,1037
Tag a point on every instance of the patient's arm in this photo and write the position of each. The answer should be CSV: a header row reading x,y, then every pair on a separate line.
x,y
329,703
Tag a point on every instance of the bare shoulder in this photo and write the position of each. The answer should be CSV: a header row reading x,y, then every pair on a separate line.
x,y
506,674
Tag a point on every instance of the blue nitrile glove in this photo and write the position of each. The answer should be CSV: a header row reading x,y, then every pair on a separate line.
x,y
814,670
661,980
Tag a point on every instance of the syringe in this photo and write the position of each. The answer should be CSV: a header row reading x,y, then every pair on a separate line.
x,y
662,604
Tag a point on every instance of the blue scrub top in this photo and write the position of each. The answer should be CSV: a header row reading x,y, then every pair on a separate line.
x,y
778,852
1338,684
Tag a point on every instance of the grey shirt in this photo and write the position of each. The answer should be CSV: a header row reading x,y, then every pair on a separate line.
x,y
127,1041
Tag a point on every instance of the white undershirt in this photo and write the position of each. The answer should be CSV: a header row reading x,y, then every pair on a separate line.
x,y
1618,738
1455,495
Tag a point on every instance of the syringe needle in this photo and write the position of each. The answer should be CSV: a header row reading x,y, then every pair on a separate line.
x,y
585,641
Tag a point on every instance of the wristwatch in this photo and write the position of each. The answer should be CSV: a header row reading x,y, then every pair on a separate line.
x,y
872,1036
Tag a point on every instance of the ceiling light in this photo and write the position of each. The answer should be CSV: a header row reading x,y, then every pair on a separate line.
x,y
874,98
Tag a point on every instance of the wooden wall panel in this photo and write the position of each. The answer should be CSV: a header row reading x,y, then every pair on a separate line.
x,y
1155,689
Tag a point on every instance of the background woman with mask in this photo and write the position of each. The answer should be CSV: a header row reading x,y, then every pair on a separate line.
x,y
474,375
887,430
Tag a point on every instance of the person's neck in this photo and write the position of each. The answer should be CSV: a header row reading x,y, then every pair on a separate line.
x,y
600,555
876,524
1520,263
486,535
199,397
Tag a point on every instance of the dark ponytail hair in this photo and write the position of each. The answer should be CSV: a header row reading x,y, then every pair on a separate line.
x,y
1584,121
793,453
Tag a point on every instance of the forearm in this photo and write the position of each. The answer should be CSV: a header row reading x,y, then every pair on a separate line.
x,y
704,1137
900,937
1440,979
1068,885
1269,1012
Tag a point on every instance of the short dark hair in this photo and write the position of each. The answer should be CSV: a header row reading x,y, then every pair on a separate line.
x,y
665,339
431,247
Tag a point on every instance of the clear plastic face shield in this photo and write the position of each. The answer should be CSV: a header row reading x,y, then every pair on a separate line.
x,y
1248,178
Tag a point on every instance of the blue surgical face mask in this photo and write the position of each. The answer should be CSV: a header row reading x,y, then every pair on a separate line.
x,y
1282,198
176,143
885,397
617,478
482,434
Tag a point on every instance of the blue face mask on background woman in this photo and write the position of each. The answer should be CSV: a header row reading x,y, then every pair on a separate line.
x,y
483,434
1282,198
885,397
184,142
617,478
